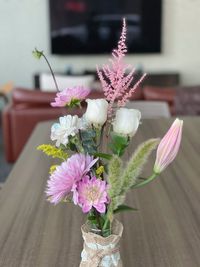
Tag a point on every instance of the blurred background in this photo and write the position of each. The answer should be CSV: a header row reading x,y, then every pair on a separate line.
x,y
25,24
163,39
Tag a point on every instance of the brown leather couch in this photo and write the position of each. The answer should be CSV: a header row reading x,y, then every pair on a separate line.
x,y
166,94
29,107
21,116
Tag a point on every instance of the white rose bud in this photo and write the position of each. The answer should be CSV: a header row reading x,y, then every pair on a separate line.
x,y
97,110
126,121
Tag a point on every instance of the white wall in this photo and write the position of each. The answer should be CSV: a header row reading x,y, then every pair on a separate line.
x,y
24,25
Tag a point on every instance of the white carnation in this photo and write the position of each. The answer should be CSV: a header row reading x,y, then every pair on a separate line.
x,y
67,126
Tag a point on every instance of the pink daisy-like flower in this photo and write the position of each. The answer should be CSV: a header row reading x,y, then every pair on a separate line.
x,y
60,183
70,96
92,193
80,164
64,179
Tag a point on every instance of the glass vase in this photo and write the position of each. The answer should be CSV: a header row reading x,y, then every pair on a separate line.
x,y
101,251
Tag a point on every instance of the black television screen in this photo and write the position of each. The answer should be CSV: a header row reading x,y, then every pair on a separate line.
x,y
94,26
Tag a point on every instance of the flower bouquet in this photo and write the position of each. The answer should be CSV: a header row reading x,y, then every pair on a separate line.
x,y
91,173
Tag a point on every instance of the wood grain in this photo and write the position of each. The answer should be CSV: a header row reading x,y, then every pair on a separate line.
x,y
165,232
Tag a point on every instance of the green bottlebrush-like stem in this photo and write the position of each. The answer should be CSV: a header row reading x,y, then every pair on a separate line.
x,y
136,163
114,176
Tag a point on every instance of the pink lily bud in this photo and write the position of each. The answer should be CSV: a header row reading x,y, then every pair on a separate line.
x,y
168,146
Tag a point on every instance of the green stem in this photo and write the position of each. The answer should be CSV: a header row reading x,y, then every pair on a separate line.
x,y
52,73
98,220
148,180
105,224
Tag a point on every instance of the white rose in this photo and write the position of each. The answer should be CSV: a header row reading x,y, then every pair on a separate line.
x,y
97,110
126,121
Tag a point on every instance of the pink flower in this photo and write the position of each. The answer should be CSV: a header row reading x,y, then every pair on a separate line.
x,y
92,193
80,164
169,146
116,77
64,179
60,183
70,96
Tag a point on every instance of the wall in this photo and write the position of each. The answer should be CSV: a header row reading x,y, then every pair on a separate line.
x,y
24,25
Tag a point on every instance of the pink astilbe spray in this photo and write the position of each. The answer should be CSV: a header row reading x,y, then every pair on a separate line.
x,y
116,83
169,146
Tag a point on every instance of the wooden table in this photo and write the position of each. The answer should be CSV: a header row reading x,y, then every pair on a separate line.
x,y
165,232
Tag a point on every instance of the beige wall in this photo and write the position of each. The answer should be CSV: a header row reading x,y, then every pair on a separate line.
x,y
24,25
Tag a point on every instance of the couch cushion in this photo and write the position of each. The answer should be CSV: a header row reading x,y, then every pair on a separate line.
x,y
159,93
166,94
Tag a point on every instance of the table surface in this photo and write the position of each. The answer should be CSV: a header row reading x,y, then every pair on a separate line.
x,y
164,232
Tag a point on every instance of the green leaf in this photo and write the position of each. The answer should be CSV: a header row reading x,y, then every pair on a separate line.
x,y
118,138
91,217
88,141
74,103
72,146
118,144
89,149
124,208
88,135
103,155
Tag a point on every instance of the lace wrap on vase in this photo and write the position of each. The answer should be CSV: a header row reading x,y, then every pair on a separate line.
x,y
101,251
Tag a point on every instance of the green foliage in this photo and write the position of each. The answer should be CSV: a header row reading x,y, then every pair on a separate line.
x,y
120,182
118,144
136,163
74,103
53,151
116,202
89,141
124,208
75,144
103,155
37,54
114,176
145,181
97,221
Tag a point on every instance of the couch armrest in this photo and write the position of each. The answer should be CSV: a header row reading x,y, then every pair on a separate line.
x,y
7,140
32,97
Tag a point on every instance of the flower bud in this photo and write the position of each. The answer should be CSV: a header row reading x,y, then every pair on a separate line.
x,y
97,110
126,121
168,146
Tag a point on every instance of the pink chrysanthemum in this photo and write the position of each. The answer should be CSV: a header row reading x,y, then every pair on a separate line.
x,y
64,179
70,96
80,164
60,183
92,193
